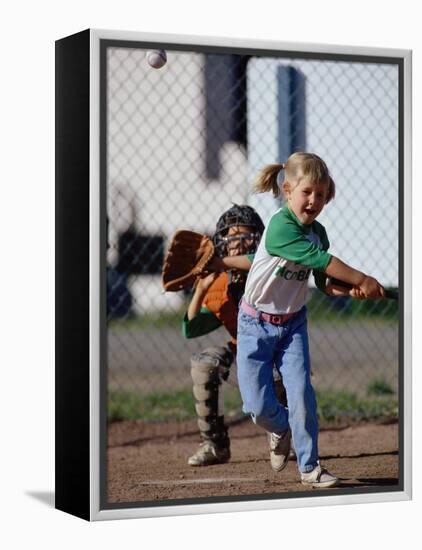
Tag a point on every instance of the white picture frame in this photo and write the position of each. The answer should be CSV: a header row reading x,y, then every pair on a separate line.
x,y
81,423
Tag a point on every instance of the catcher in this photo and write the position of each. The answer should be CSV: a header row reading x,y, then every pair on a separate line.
x,y
215,303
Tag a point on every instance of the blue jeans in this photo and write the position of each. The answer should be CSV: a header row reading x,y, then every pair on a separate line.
x,y
262,345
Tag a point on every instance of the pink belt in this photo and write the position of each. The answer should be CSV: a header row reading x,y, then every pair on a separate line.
x,y
268,317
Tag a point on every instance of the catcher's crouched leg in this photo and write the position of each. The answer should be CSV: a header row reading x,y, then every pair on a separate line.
x,y
280,390
208,369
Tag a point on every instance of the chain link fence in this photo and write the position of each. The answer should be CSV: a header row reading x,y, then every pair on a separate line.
x,y
185,141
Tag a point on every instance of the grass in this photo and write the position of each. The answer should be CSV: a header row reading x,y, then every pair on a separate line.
x,y
333,407
125,405
159,406
379,387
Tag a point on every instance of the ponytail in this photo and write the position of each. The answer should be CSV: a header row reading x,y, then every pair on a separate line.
x,y
267,180
297,166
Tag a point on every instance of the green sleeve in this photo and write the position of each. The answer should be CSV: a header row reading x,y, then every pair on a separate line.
x,y
250,257
204,322
287,239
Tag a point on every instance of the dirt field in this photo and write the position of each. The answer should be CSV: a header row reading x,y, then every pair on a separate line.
x,y
147,462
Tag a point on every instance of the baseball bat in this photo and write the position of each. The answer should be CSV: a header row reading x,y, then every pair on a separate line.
x,y
391,294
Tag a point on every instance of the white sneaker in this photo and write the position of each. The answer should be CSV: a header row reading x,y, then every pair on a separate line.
x,y
279,449
319,477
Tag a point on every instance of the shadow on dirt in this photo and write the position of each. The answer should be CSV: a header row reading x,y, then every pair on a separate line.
x,y
360,455
369,482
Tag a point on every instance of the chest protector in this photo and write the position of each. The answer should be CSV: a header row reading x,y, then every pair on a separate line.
x,y
219,301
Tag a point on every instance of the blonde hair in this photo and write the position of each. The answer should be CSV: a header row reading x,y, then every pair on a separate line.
x,y
298,166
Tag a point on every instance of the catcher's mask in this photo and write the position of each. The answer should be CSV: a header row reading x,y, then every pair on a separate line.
x,y
235,216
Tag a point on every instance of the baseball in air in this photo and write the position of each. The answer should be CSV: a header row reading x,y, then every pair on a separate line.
x,y
157,58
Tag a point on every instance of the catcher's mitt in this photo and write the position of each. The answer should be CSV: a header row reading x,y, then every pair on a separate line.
x,y
187,257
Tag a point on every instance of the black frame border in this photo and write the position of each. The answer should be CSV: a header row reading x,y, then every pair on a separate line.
x,y
72,221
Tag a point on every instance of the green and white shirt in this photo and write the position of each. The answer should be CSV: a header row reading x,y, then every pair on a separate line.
x,y
288,252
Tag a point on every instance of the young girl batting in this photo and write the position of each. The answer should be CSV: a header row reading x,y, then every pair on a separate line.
x,y
272,324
